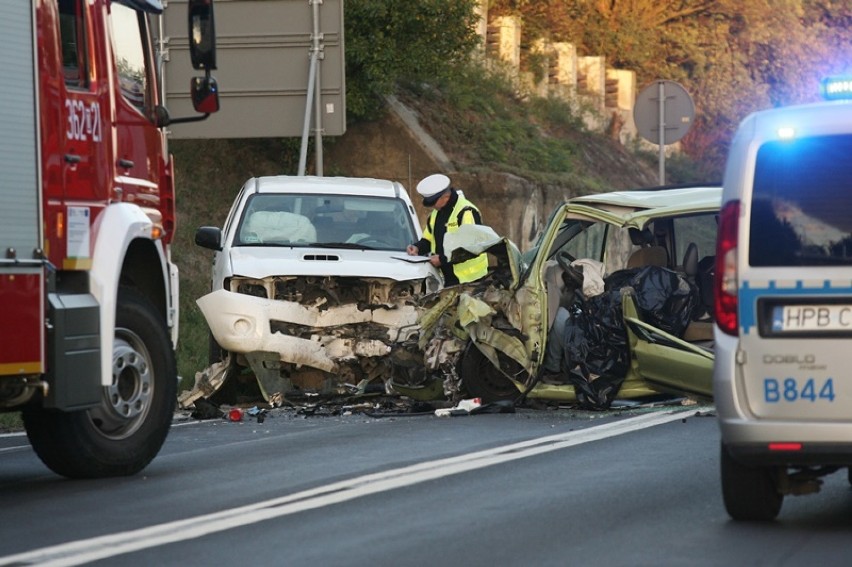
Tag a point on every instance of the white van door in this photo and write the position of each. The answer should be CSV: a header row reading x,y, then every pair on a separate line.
x,y
795,286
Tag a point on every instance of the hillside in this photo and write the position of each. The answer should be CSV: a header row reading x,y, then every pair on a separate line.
x,y
484,151
504,155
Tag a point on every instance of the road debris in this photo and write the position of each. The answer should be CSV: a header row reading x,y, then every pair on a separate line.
x,y
464,407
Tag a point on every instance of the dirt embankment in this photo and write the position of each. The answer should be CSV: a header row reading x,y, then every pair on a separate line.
x,y
400,146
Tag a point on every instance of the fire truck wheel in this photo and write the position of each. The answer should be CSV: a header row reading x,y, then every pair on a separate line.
x,y
125,432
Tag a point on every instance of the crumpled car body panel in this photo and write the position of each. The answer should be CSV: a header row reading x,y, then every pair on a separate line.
x,y
346,340
508,321
345,327
242,323
668,363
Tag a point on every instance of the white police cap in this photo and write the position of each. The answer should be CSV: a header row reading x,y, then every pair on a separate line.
x,y
432,187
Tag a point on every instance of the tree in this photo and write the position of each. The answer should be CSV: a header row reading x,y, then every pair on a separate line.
x,y
734,57
389,41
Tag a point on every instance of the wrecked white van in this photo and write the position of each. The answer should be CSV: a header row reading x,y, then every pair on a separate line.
x,y
312,288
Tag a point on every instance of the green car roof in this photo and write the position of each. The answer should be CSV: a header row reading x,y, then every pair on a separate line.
x,y
638,204
682,197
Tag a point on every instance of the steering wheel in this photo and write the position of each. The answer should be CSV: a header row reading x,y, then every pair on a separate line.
x,y
564,260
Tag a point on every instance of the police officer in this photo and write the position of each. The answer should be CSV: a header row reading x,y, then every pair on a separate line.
x,y
450,210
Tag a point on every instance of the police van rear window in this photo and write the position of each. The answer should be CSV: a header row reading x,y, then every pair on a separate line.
x,y
801,210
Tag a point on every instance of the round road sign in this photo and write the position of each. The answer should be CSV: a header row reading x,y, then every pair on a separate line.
x,y
670,100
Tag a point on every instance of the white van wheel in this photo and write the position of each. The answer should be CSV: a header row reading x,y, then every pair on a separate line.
x,y
749,493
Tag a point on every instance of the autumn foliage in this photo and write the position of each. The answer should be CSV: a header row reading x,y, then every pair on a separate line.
x,y
733,56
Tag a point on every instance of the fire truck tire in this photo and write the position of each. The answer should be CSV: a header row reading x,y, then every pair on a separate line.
x,y
125,432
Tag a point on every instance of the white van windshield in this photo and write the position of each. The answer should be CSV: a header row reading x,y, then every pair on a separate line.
x,y
801,209
290,219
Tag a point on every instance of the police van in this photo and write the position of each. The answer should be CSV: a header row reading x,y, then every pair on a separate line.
x,y
782,377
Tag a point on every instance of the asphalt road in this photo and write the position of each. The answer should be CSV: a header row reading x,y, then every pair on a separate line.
x,y
531,488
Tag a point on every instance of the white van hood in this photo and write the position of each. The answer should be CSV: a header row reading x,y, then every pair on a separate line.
x,y
261,262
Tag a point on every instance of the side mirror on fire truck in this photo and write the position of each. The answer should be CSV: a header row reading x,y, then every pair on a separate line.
x,y
202,35
202,52
205,94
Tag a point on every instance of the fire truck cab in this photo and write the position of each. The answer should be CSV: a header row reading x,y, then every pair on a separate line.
x,y
88,290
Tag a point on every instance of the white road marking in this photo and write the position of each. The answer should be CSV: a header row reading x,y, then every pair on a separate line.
x,y
102,547
19,448
15,434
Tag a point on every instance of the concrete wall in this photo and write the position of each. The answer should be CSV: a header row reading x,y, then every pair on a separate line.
x,y
503,40
622,112
582,81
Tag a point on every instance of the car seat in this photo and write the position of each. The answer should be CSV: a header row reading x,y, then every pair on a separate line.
x,y
700,328
648,254
690,263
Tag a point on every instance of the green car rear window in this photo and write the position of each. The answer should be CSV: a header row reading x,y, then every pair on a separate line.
x,y
801,210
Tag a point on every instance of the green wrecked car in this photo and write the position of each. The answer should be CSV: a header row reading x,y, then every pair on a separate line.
x,y
614,301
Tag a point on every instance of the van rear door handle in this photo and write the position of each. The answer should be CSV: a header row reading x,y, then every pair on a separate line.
x,y
73,158
125,163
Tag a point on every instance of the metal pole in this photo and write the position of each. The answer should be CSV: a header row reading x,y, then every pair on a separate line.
x,y
312,83
318,126
161,63
161,57
318,90
662,135
303,152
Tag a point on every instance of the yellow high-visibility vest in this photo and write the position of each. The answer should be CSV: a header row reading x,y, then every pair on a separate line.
x,y
462,213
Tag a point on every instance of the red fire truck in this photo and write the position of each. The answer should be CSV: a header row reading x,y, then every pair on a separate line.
x,y
88,290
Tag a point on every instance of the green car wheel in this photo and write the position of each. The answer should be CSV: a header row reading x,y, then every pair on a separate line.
x,y
482,380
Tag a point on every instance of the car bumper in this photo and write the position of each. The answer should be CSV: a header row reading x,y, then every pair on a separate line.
x,y
243,324
806,454
758,440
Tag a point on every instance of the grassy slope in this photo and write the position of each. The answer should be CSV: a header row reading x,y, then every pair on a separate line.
x,y
209,173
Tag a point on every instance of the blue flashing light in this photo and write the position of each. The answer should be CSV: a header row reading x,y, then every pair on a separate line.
x,y
836,88
786,133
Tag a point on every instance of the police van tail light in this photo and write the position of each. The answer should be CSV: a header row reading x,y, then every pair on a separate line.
x,y
785,447
725,284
